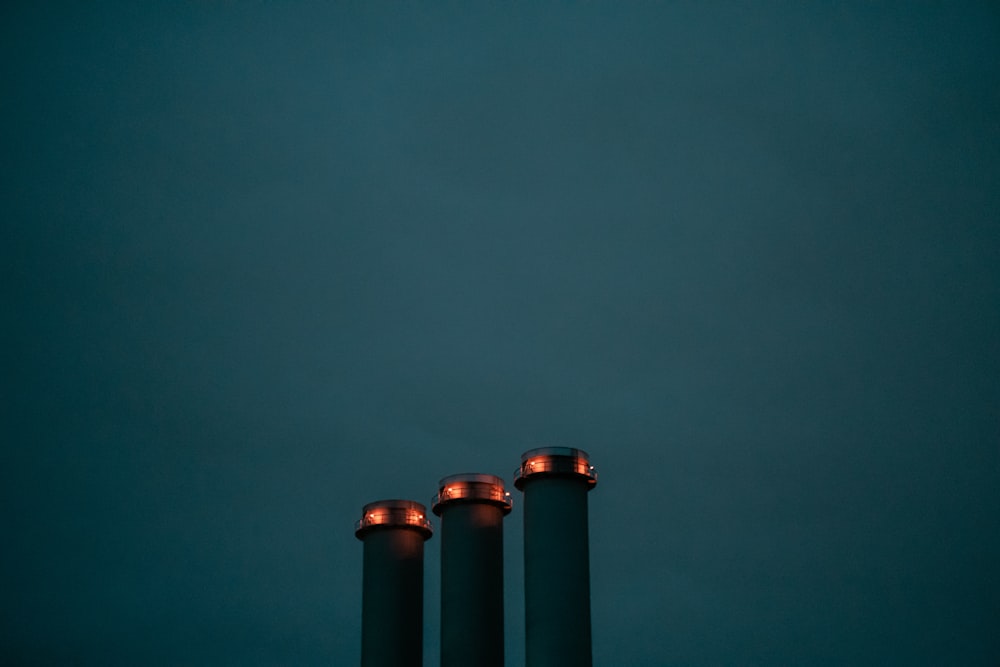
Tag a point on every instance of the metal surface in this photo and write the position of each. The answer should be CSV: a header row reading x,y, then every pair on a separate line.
x,y
471,487
556,462
393,514
392,606
556,482
472,507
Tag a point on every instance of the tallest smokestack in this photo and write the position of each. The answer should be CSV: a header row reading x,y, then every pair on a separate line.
x,y
555,482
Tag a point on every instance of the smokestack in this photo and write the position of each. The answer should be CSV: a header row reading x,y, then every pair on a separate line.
x,y
555,482
392,599
472,507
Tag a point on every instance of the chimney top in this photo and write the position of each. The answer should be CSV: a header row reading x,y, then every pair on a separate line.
x,y
393,513
555,462
471,487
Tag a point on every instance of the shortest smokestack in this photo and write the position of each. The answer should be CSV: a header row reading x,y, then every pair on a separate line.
x,y
392,589
472,507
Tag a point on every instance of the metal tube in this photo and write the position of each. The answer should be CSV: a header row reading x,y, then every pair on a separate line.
x,y
392,600
555,482
472,507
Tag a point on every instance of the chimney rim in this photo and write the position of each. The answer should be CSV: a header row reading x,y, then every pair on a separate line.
x,y
471,487
393,513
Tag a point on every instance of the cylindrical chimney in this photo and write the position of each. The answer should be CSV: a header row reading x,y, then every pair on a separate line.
x,y
392,598
472,507
555,482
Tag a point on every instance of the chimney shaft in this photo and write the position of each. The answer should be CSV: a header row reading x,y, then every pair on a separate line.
x,y
555,482
472,507
392,600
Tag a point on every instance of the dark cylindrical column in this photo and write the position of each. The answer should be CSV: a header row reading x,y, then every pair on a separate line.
x,y
555,482
392,597
472,507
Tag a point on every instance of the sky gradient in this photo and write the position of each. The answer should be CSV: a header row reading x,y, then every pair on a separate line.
x,y
263,263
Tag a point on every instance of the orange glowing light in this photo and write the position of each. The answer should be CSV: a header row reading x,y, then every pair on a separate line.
x,y
471,487
560,461
392,513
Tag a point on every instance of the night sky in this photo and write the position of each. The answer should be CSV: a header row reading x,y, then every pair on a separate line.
x,y
263,263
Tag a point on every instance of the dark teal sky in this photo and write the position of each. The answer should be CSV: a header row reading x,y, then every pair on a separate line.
x,y
263,263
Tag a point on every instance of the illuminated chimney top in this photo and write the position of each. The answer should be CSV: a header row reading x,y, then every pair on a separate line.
x,y
555,462
471,488
383,514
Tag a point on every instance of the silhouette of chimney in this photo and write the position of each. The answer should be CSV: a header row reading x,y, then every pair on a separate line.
x,y
392,600
555,482
472,507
